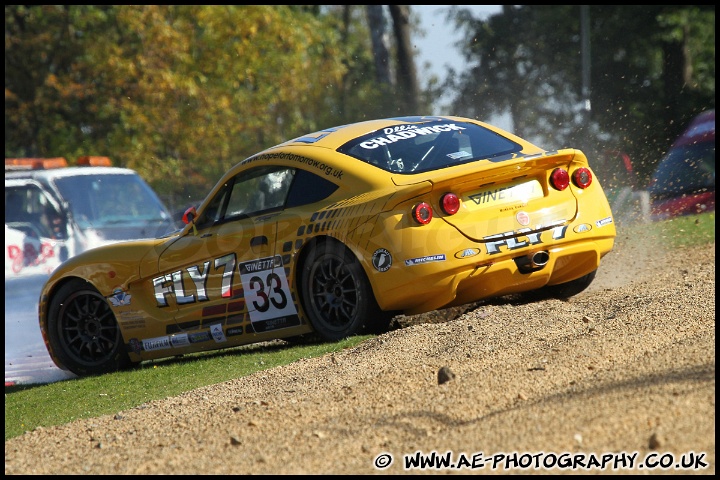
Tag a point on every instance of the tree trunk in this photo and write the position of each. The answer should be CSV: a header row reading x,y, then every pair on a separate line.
x,y
407,85
379,37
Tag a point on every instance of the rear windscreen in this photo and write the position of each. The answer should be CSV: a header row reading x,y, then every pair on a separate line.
x,y
415,148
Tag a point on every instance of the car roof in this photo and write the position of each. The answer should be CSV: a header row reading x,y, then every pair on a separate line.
x,y
335,137
701,129
19,182
50,174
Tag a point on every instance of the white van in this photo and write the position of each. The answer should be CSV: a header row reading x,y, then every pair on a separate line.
x,y
53,211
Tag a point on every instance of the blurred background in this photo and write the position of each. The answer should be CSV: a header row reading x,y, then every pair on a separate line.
x,y
181,93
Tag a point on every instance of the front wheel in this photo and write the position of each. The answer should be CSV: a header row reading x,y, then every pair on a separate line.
x,y
336,293
83,331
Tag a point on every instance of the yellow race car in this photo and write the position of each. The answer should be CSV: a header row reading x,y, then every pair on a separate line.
x,y
332,234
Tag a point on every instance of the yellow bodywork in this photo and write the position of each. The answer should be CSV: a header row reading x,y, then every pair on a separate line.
x,y
189,291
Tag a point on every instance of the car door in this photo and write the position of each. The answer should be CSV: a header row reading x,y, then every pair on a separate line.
x,y
228,279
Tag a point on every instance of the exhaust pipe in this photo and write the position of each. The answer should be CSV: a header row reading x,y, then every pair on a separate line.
x,y
539,259
532,262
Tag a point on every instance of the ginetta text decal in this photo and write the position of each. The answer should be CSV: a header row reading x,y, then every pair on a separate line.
x,y
522,191
514,240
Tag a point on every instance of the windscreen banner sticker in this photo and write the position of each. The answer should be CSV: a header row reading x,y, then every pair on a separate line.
x,y
405,132
328,170
267,294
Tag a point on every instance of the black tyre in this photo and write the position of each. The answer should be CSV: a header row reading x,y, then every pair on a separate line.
x,y
570,289
336,293
83,331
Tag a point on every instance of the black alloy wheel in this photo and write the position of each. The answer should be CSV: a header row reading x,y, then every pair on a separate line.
x,y
337,295
83,331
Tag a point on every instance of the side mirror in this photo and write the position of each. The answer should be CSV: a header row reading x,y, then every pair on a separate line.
x,y
189,215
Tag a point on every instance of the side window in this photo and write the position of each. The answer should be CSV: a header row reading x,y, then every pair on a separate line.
x,y
249,193
214,211
309,188
28,209
259,190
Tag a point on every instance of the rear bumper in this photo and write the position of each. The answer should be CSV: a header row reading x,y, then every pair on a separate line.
x,y
486,278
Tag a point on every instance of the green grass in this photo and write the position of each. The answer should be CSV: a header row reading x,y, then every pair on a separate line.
x,y
30,406
687,231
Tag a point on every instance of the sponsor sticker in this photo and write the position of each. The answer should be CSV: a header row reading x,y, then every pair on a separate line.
x,y
604,221
523,218
135,345
382,260
179,340
197,337
583,227
157,343
216,331
468,252
119,298
233,331
426,259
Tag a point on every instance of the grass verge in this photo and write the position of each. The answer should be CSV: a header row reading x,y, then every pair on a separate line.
x,y
46,405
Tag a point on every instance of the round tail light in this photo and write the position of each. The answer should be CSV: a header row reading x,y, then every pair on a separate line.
x,y
560,179
582,177
422,213
450,203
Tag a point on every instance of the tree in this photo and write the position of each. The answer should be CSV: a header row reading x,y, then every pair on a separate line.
x,y
181,93
652,70
407,85
380,48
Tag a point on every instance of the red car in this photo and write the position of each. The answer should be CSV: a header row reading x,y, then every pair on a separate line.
x,y
684,181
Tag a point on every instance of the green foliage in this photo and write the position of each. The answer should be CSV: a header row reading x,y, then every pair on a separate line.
x,y
651,69
178,93
181,93
31,406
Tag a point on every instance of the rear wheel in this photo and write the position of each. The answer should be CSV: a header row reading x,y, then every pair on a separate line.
x,y
570,289
83,331
336,293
